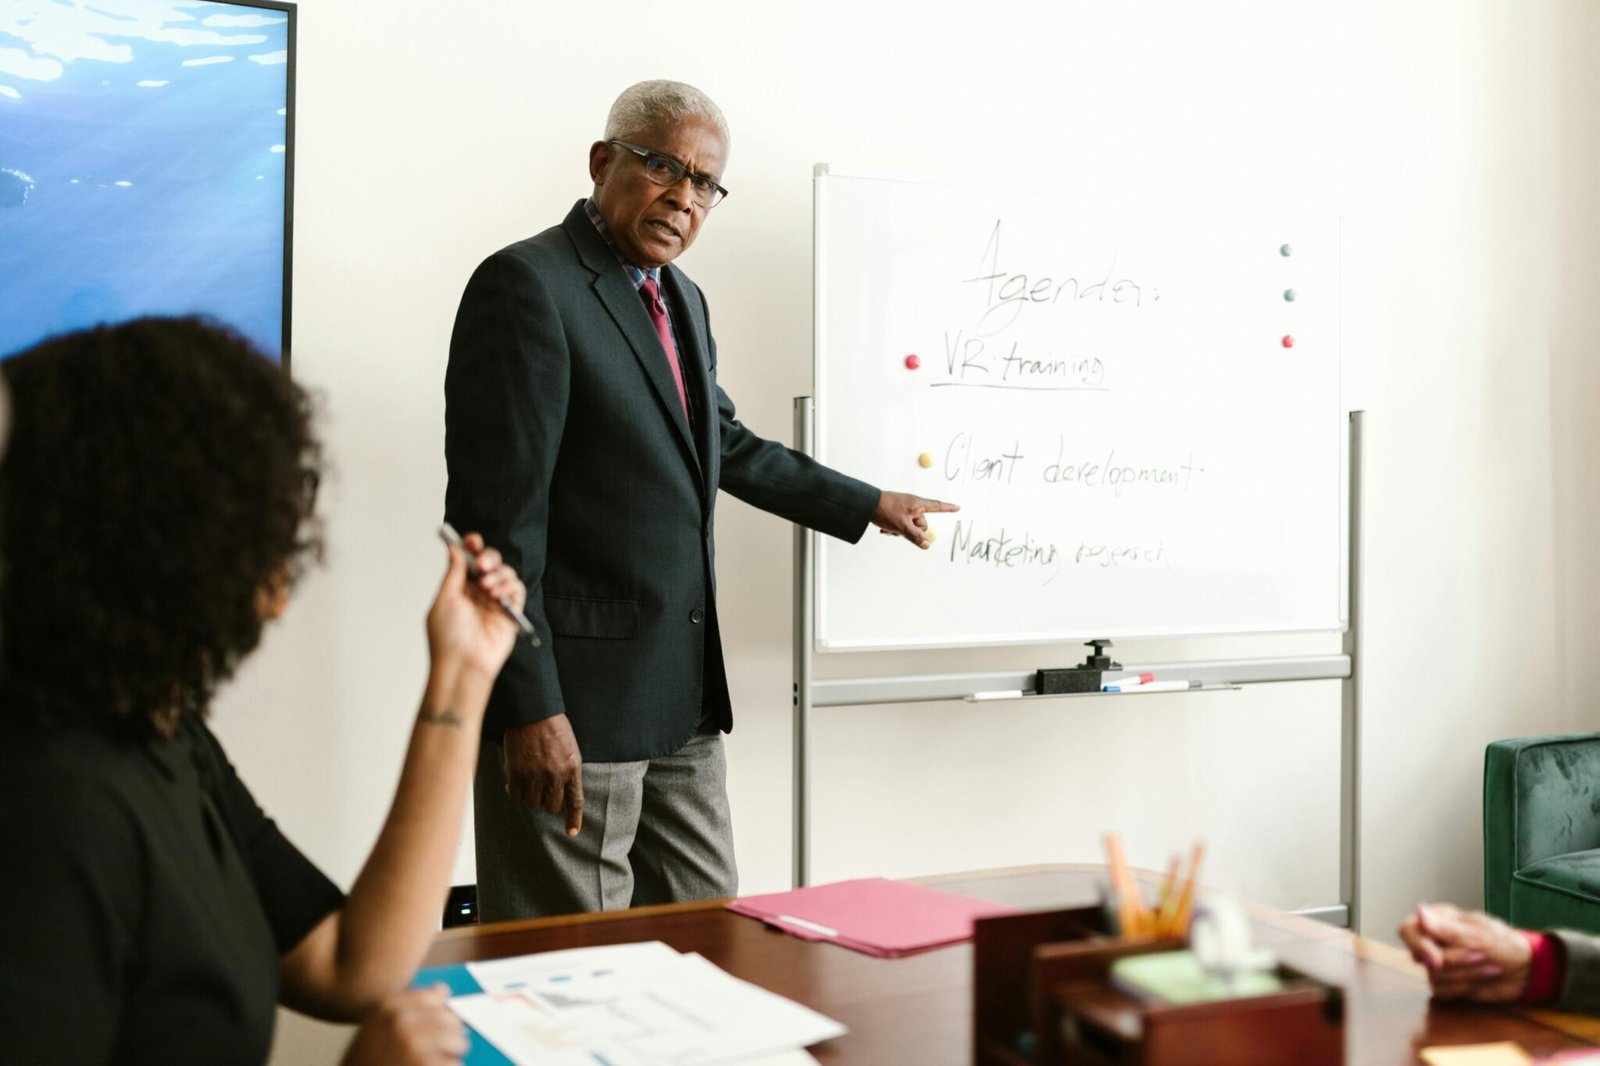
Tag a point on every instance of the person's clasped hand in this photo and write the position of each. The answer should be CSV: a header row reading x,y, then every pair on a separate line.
x,y
1469,955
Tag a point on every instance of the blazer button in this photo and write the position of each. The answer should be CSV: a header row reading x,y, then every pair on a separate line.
x,y
697,616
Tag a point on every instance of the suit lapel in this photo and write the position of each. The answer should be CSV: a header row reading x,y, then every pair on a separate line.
x,y
622,301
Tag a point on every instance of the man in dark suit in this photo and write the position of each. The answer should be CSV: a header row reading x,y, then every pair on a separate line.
x,y
586,437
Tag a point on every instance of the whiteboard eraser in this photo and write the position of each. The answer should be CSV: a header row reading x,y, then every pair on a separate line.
x,y
1056,682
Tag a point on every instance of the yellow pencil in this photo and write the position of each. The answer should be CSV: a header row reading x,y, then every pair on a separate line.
x,y
1165,898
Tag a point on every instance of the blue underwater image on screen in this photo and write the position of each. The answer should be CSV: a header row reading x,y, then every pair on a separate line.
x,y
143,153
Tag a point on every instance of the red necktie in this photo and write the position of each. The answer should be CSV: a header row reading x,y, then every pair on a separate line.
x,y
658,316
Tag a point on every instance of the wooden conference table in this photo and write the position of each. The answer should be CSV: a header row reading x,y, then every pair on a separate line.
x,y
919,1009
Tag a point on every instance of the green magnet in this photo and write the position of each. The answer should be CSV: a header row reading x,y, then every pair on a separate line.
x,y
1288,294
1286,251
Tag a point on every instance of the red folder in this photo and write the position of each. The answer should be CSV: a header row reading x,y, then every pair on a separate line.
x,y
872,915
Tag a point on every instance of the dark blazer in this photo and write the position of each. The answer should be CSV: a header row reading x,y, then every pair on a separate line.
x,y
568,448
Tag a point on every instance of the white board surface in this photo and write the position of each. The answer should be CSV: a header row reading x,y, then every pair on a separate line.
x,y
1104,388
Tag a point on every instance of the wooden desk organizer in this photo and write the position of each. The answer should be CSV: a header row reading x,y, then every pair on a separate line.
x,y
1042,997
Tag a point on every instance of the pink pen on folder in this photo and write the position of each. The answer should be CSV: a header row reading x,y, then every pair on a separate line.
x,y
814,927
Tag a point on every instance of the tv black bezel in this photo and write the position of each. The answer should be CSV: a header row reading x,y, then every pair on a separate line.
x,y
290,10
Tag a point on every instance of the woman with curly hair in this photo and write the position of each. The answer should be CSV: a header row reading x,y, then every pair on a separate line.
x,y
156,509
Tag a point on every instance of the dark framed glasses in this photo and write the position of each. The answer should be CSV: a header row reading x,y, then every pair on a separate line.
x,y
665,170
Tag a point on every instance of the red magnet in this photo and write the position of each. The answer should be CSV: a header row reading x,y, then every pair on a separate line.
x,y
912,362
1288,342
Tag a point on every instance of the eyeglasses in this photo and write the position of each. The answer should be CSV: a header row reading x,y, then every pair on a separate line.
x,y
665,170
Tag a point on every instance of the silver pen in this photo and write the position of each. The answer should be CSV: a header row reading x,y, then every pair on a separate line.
x,y
448,534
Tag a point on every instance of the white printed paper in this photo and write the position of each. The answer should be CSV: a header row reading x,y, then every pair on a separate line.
x,y
643,1006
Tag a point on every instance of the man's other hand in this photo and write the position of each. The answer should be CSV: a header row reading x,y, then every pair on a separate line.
x,y
900,514
544,769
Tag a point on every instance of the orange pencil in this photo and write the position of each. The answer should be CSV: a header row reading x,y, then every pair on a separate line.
x,y
1180,923
1122,886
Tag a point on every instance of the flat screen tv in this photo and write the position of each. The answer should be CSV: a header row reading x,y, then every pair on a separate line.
x,y
146,163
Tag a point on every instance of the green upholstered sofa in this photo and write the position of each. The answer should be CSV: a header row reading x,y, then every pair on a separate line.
x,y
1541,831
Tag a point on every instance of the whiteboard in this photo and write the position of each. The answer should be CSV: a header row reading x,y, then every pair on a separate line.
x,y
1137,407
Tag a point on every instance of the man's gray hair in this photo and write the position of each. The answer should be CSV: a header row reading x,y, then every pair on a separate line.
x,y
652,104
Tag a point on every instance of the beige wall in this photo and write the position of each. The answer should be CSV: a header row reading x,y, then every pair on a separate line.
x,y
1458,139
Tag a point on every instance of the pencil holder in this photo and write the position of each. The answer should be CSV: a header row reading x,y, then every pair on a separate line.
x,y
1044,994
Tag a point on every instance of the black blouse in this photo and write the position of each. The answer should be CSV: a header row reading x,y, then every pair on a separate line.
x,y
145,900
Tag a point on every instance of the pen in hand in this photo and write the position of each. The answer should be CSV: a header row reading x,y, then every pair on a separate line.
x,y
448,534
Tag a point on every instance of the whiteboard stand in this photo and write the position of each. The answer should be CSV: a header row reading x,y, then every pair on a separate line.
x,y
810,693
1350,699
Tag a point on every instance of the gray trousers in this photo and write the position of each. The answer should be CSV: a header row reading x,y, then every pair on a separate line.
x,y
656,831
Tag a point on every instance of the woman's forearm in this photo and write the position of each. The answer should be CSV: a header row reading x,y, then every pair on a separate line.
x,y
371,948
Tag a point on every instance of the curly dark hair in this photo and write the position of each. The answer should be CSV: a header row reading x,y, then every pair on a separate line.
x,y
161,478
